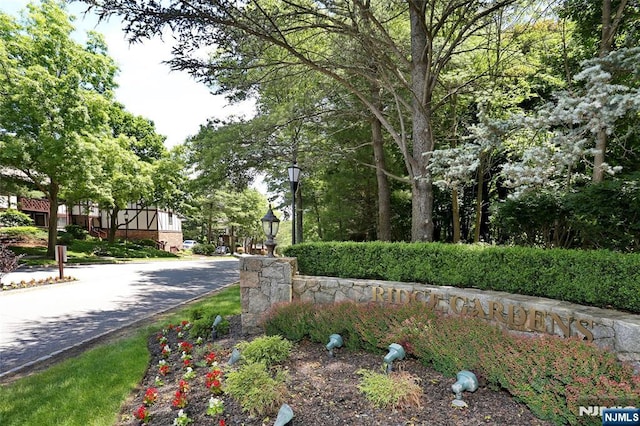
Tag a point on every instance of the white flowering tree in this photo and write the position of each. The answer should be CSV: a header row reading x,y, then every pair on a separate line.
x,y
567,129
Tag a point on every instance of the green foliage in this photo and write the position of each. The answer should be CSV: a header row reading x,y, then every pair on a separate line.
x,y
204,249
268,350
45,70
202,324
396,390
22,234
552,375
598,278
77,232
253,387
607,214
293,325
600,215
117,250
12,217
451,344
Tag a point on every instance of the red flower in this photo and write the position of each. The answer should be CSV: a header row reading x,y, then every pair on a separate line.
x,y
150,396
164,369
210,358
186,363
185,347
180,400
142,414
222,423
213,381
183,386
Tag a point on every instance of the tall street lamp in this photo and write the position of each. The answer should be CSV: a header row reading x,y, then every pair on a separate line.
x,y
294,179
270,225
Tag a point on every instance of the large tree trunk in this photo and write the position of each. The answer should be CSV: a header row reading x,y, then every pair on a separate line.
x,y
54,190
455,213
609,27
384,191
421,183
113,225
479,198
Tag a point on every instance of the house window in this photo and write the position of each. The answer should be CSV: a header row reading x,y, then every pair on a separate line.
x,y
40,219
170,218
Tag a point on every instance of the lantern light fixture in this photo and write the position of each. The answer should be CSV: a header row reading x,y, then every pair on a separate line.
x,y
270,225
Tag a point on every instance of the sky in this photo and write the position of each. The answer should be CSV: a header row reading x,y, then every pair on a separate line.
x,y
176,103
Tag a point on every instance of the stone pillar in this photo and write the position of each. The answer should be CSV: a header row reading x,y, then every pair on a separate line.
x,y
264,281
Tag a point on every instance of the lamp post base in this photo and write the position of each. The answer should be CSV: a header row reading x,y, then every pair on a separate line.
x,y
270,248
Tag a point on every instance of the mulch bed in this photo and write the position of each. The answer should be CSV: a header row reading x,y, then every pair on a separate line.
x,y
322,390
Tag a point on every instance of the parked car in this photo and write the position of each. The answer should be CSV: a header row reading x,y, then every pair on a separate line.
x,y
188,244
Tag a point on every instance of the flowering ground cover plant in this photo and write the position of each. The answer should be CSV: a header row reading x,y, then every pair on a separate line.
x,y
320,390
35,283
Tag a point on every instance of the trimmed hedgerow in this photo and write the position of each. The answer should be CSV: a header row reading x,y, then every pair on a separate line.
x,y
553,376
598,278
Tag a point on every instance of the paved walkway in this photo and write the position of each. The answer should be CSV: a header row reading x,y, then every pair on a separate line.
x,y
39,322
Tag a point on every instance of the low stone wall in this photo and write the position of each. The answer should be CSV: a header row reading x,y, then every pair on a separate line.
x,y
266,282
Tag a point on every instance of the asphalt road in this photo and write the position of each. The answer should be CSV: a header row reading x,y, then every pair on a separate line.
x,y
41,322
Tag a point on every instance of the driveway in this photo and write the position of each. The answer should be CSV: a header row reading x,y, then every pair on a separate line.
x,y
39,322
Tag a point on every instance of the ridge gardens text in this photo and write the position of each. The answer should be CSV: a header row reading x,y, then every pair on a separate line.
x,y
512,316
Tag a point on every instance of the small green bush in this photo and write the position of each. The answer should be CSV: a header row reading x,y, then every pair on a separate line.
x,y
147,242
202,324
390,391
77,232
266,349
253,387
292,326
204,249
12,218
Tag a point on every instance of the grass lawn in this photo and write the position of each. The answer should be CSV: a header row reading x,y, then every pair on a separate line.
x,y
89,389
92,251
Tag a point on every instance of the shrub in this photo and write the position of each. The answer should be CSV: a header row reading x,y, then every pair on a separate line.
x,y
202,324
22,234
598,278
290,320
266,349
76,231
253,387
12,218
204,249
554,376
147,242
394,390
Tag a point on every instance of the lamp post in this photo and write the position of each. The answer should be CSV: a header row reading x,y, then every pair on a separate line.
x,y
126,224
270,225
294,179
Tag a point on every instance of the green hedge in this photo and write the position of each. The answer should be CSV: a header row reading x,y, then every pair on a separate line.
x,y
598,278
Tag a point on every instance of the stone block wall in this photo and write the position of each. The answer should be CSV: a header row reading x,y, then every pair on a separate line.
x,y
267,281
